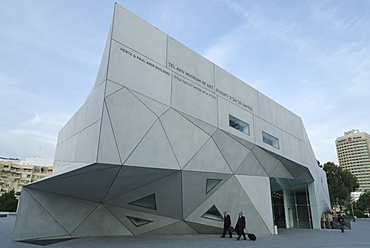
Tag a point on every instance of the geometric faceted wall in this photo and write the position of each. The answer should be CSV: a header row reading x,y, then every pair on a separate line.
x,y
153,150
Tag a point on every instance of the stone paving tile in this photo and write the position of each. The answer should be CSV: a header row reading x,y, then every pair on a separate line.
x,y
358,237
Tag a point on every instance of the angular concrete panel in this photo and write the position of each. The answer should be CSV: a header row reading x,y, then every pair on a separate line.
x,y
108,149
128,114
281,171
24,226
157,222
68,211
233,152
194,185
155,106
93,186
220,199
87,144
159,155
267,161
130,178
202,125
239,201
178,130
251,166
111,88
101,223
209,159
293,148
167,193
94,105
260,198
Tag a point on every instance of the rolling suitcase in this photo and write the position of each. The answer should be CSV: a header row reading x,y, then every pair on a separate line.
x,y
251,236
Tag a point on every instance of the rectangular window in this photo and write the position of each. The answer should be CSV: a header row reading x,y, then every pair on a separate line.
x,y
239,124
270,140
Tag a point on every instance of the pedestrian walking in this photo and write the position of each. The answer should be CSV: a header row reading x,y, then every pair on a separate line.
x,y
227,226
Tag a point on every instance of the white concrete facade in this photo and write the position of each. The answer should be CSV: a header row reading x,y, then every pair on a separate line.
x,y
153,149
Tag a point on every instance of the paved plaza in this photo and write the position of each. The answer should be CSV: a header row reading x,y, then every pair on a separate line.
x,y
358,237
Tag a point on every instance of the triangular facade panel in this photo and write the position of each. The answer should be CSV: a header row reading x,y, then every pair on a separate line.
x,y
178,130
47,225
195,189
128,114
155,106
159,155
101,222
130,178
281,171
66,210
233,152
166,202
111,88
156,221
208,159
107,150
260,198
251,166
93,186
209,129
243,142
267,161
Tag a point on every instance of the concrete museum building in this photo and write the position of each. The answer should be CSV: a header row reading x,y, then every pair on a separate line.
x,y
165,142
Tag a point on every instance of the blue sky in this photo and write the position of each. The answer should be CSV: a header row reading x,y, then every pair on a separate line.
x,y
312,57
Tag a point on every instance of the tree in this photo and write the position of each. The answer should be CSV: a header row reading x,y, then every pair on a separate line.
x,y
363,203
8,202
340,183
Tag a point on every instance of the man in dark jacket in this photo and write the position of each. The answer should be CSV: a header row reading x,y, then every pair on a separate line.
x,y
227,225
240,225
341,222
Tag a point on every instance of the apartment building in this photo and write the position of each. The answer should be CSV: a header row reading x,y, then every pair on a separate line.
x,y
353,155
15,173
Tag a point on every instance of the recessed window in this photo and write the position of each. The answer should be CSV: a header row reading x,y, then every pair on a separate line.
x,y
270,140
137,221
213,214
238,124
146,202
211,184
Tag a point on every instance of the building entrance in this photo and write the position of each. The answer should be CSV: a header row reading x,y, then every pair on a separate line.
x,y
290,203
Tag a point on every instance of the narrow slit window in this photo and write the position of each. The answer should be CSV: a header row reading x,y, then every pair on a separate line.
x,y
238,124
270,140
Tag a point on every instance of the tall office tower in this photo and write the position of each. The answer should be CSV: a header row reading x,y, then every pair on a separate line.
x,y
353,155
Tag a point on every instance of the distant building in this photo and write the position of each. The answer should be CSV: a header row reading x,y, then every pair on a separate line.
x,y
353,155
15,173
